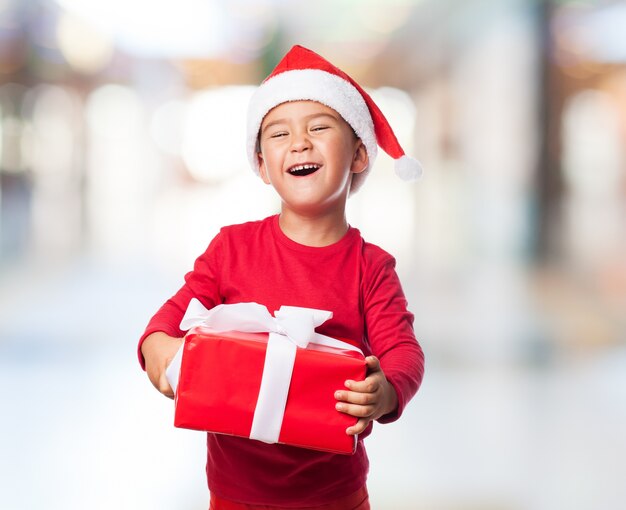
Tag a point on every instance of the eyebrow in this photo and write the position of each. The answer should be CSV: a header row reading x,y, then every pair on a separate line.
x,y
307,118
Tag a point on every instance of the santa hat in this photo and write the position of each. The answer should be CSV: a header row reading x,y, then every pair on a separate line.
x,y
304,75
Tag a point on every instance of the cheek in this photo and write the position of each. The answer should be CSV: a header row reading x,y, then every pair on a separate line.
x,y
274,157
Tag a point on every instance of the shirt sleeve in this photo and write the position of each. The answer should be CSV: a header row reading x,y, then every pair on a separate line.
x,y
202,283
389,330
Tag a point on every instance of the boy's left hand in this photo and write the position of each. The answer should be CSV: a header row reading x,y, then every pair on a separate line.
x,y
369,399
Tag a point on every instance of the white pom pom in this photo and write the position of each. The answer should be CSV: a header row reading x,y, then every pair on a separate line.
x,y
408,169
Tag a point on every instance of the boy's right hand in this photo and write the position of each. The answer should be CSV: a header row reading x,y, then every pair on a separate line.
x,y
158,350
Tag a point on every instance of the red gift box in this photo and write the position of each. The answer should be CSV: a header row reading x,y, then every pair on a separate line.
x,y
220,379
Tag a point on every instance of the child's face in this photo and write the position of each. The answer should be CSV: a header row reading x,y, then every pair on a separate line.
x,y
308,154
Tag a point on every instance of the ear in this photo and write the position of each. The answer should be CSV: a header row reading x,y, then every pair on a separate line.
x,y
262,168
361,160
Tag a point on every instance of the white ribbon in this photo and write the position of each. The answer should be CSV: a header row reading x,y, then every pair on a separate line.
x,y
292,327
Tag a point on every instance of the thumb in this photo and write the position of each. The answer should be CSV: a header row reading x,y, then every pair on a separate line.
x,y
164,386
372,363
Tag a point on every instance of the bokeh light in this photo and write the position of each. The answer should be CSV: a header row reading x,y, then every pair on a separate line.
x,y
167,126
213,145
85,48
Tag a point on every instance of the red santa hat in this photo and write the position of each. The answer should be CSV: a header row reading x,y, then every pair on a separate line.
x,y
304,75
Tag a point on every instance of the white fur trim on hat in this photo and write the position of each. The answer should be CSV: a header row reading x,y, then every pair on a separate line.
x,y
314,85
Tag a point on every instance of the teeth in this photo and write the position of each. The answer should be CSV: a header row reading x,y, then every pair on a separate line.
x,y
303,169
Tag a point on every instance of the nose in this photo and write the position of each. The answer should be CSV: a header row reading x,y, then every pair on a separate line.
x,y
300,141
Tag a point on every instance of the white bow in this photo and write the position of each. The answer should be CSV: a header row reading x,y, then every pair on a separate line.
x,y
297,324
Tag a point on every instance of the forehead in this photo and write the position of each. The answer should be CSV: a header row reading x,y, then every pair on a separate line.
x,y
293,110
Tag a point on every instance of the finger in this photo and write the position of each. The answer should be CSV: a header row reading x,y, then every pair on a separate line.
x,y
356,410
358,427
354,397
164,387
372,363
368,385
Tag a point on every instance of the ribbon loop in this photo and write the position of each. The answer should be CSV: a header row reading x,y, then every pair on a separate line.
x,y
299,323
246,317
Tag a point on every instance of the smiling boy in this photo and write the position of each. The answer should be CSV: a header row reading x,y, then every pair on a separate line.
x,y
312,136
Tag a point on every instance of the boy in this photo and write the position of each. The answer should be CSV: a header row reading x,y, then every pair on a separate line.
x,y
312,135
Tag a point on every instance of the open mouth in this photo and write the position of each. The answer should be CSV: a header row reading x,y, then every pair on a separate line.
x,y
303,170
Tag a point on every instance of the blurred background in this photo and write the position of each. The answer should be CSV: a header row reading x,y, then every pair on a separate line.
x,y
122,152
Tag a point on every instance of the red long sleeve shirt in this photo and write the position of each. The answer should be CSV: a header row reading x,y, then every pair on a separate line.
x,y
357,281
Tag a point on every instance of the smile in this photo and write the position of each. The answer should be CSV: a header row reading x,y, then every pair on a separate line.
x,y
303,170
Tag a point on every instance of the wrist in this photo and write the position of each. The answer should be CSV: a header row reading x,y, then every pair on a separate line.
x,y
391,399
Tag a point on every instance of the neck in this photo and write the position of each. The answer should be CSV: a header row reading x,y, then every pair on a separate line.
x,y
314,231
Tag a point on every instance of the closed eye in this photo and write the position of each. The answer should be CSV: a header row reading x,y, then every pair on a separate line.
x,y
319,128
278,134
